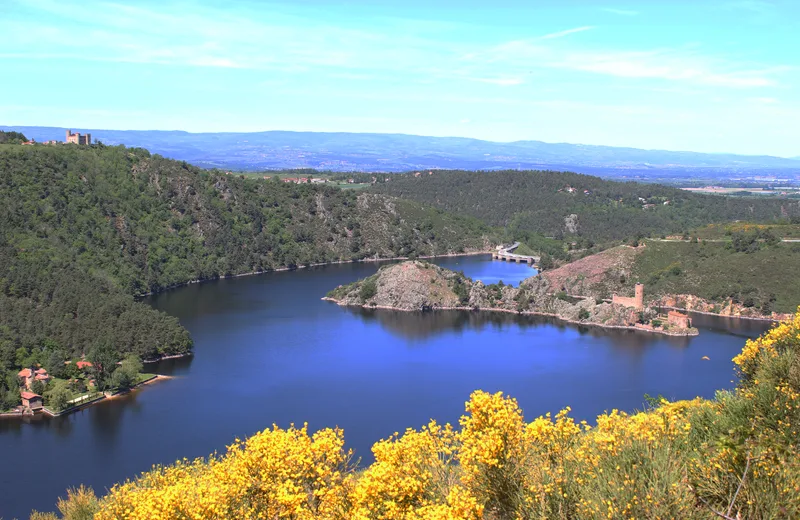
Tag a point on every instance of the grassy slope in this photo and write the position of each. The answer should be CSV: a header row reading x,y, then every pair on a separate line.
x,y
723,231
715,272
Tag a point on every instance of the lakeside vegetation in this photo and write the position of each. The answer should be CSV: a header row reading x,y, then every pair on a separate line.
x,y
730,457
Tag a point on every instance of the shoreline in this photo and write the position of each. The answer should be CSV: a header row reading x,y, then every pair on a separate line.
x,y
307,266
523,313
170,356
159,377
728,316
103,396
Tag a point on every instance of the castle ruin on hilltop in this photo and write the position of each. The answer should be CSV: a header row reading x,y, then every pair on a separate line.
x,y
77,138
637,302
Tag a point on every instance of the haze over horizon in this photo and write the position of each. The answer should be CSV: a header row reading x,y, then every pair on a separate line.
x,y
718,76
387,134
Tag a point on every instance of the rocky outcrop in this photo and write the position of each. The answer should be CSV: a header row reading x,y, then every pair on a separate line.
x,y
413,285
727,308
418,285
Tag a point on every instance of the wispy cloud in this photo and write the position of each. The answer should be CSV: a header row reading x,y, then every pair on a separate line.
x,y
665,65
503,82
621,12
679,65
561,34
206,37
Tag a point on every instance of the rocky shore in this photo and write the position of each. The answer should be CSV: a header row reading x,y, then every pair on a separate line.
x,y
417,285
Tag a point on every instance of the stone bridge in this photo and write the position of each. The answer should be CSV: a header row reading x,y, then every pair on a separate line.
x,y
505,253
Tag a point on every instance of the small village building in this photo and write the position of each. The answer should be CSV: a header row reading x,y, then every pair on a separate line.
x,y
83,364
25,377
32,401
42,375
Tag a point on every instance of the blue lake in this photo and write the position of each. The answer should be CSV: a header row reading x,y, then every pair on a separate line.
x,y
268,350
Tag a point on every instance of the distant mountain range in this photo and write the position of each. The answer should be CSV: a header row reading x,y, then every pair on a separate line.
x,y
400,152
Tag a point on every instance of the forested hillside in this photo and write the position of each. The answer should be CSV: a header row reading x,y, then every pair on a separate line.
x,y
84,229
542,202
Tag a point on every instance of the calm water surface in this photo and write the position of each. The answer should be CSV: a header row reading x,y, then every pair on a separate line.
x,y
269,351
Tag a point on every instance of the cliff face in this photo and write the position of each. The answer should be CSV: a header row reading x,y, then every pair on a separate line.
x,y
417,285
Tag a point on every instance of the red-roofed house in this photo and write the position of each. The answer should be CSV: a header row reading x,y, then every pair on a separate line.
x,y
32,401
83,364
25,377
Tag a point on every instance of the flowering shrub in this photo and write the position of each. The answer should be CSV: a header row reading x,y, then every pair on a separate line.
x,y
733,457
274,474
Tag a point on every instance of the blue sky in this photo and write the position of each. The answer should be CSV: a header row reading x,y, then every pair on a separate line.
x,y
709,76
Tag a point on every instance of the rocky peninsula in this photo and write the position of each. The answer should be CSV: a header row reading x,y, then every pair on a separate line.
x,y
421,286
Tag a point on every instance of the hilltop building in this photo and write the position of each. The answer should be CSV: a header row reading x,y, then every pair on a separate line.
x,y
637,302
77,138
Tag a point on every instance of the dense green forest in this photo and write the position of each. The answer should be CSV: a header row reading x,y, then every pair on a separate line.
x,y
85,229
542,202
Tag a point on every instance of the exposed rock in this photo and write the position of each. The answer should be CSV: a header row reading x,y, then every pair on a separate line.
x,y
728,308
417,285
598,275
571,223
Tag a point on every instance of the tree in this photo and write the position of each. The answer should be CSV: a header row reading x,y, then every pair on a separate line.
x,y
38,387
127,373
55,364
369,288
12,137
58,398
104,359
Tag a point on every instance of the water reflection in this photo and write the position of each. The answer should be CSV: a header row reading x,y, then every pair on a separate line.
x,y
170,367
740,327
419,325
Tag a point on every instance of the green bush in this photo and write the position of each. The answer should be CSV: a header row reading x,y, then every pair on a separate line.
x,y
369,288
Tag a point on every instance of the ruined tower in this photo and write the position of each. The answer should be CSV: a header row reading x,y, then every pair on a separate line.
x,y
638,298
